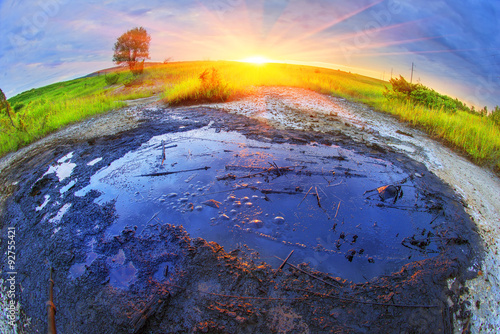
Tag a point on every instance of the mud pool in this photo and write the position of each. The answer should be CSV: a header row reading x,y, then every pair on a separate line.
x,y
132,222
272,197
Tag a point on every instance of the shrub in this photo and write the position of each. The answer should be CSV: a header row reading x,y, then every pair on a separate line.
x,y
422,95
495,115
212,87
111,78
18,107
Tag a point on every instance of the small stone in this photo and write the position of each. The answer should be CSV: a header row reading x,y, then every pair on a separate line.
x,y
371,260
237,203
224,216
198,208
183,199
231,198
248,203
171,195
245,199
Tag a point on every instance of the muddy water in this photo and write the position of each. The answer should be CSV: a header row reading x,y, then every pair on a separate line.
x,y
274,198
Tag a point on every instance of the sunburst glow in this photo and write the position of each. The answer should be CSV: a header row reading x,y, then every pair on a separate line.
x,y
259,60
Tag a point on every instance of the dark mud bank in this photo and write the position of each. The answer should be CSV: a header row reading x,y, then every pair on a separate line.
x,y
147,274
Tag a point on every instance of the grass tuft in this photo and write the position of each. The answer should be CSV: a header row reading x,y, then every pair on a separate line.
x,y
38,112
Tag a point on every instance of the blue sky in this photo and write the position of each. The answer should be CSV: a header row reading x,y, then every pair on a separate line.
x,y
455,45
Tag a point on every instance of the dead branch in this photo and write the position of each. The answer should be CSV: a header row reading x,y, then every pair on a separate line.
x,y
176,172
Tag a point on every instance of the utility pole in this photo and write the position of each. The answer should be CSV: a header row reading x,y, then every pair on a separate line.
x,y
411,79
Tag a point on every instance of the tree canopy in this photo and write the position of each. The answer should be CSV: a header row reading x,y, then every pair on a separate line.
x,y
132,48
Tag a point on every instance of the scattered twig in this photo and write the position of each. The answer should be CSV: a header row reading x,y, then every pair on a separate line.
x,y
237,297
305,196
311,275
163,156
400,182
338,206
366,302
283,264
176,172
154,216
317,197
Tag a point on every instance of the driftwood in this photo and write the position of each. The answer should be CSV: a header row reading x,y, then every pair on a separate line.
x,y
176,172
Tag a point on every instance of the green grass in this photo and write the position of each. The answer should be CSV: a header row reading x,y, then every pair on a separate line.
x,y
44,110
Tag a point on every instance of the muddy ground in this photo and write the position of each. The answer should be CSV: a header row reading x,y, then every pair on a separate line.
x,y
190,285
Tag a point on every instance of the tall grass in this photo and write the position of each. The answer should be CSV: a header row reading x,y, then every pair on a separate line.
x,y
40,111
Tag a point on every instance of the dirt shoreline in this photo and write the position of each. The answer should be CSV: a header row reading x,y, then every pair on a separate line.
x,y
191,296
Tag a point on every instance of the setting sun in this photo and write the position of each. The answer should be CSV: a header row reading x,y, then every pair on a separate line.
x,y
259,60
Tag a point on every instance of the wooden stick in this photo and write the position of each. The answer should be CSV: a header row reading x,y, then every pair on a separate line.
x,y
305,196
317,197
337,210
175,172
311,275
154,216
283,264
366,302
163,156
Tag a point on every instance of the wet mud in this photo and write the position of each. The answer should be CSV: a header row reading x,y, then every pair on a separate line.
x,y
180,226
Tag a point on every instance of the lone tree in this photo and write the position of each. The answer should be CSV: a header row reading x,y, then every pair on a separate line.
x,y
132,48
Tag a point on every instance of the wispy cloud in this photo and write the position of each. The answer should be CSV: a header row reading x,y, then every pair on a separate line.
x,y
454,45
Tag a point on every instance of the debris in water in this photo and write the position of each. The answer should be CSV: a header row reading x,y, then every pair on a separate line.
x,y
212,203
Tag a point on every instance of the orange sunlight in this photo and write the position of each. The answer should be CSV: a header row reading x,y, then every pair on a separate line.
x,y
258,60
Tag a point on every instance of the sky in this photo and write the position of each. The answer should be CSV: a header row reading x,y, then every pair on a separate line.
x,y
453,45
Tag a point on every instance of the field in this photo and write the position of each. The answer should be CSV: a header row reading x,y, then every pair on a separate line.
x,y
38,112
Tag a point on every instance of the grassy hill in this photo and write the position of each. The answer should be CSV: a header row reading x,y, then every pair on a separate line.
x,y
38,112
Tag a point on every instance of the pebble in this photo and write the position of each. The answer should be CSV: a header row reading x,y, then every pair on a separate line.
x,y
231,198
245,199
248,203
237,203
224,216
183,200
171,195
198,207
